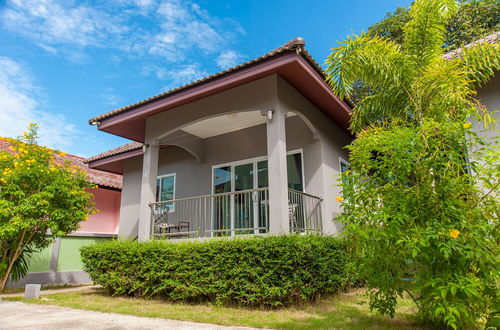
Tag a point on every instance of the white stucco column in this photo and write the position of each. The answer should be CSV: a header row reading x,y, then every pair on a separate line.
x,y
148,188
277,171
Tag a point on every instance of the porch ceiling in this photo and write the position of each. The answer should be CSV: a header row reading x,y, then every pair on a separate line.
x,y
226,124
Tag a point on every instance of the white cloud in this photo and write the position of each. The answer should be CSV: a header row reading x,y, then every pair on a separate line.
x,y
50,23
170,29
175,77
228,59
110,97
19,105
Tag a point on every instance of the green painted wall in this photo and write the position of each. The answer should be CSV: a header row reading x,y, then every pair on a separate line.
x,y
69,251
40,261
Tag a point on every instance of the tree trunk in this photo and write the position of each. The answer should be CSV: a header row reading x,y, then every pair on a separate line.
x,y
12,260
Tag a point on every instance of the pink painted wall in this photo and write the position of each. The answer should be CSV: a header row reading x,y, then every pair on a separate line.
x,y
106,220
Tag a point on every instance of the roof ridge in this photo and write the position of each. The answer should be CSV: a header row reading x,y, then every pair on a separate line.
x,y
297,44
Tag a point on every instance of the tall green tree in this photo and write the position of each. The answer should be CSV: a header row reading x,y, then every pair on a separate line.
x,y
421,196
473,20
41,198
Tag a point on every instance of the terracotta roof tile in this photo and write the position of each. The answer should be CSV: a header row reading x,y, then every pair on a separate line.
x,y
101,178
297,45
131,146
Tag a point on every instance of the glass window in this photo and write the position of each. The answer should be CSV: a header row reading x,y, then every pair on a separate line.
x,y
165,188
262,178
222,179
243,177
294,169
344,166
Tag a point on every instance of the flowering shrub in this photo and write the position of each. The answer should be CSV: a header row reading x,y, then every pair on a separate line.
x,y
424,221
421,198
37,195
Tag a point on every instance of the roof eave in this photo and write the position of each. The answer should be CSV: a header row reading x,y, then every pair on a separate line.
x,y
131,123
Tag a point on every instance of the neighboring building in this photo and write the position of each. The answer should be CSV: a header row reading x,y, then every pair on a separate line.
x,y
253,149
489,95
60,262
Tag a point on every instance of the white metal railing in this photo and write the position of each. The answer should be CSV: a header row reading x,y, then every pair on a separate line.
x,y
304,212
229,214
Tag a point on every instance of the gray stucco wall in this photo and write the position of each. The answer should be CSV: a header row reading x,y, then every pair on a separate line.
x,y
490,97
319,138
129,208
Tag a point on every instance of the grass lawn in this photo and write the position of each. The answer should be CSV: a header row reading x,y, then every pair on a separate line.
x,y
342,311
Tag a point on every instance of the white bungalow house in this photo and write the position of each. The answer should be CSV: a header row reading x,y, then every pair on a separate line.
x,y
250,150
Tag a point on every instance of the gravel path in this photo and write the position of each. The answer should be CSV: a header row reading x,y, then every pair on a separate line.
x,y
17,315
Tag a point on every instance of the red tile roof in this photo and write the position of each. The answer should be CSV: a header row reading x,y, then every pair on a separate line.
x,y
100,178
131,146
296,45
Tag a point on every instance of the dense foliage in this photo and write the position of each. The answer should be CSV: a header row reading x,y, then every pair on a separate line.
x,y
259,271
421,195
38,194
473,20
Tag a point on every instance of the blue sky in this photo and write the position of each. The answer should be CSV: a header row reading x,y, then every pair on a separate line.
x,y
62,62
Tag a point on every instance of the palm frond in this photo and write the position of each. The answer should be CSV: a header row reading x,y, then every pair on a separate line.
x,y
21,265
424,34
376,61
444,91
481,61
379,108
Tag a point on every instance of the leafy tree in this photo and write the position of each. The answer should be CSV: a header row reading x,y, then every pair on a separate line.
x,y
38,195
474,19
392,25
423,217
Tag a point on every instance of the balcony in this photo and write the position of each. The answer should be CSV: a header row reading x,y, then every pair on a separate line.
x,y
243,212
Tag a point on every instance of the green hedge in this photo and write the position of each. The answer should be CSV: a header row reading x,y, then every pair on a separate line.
x,y
257,271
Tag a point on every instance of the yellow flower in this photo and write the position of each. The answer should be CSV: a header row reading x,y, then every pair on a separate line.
x,y
62,154
454,233
467,125
339,199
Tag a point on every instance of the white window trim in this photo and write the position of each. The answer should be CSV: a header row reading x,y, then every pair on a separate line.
x,y
255,160
159,177
342,160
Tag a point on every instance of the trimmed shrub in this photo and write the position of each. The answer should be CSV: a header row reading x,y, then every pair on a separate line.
x,y
257,271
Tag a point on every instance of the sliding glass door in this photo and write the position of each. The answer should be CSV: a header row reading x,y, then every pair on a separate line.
x,y
237,213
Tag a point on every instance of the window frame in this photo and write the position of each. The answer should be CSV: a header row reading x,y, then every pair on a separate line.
x,y
342,160
255,160
157,198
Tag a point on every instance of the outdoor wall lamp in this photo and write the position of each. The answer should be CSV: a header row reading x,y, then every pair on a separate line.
x,y
269,114
145,147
